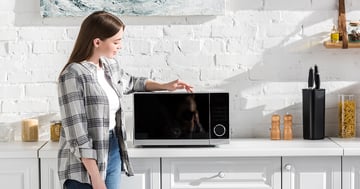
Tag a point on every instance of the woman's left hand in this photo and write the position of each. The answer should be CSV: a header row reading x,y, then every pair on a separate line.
x,y
178,84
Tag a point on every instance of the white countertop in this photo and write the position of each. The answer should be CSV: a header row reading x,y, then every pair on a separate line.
x,y
49,150
252,147
247,147
351,146
20,149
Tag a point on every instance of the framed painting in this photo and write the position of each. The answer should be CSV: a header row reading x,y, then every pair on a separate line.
x,y
55,8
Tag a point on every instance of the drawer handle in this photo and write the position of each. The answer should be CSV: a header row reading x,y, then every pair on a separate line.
x,y
204,179
288,167
221,174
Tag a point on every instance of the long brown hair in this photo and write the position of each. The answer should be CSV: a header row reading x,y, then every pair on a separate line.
x,y
99,24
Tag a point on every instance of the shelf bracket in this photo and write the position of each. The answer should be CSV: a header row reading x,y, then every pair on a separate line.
x,y
342,24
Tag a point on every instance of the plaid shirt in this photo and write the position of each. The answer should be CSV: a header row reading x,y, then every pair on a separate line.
x,y
84,109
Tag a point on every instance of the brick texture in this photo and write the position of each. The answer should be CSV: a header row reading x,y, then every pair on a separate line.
x,y
259,51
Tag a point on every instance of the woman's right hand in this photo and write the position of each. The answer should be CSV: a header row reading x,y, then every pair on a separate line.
x,y
98,183
178,84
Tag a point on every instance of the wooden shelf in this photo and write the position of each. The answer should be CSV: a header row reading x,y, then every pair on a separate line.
x,y
331,45
342,30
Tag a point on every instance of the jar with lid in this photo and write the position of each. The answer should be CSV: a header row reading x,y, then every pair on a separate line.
x,y
354,31
55,128
347,116
6,133
30,130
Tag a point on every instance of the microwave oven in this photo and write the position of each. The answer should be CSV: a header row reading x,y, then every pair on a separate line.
x,y
181,119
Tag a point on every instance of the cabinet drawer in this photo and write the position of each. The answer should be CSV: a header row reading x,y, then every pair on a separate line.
x,y
221,173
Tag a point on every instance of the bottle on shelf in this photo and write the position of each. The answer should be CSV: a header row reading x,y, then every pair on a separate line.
x,y
334,36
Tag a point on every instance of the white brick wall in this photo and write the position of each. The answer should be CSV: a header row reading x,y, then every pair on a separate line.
x,y
43,47
3,49
287,5
41,90
11,91
259,51
178,32
142,47
7,34
25,106
17,48
143,32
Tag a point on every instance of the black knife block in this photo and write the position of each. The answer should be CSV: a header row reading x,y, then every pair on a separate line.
x,y
313,113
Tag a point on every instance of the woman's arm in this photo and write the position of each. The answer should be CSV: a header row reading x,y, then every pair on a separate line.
x,y
151,85
93,170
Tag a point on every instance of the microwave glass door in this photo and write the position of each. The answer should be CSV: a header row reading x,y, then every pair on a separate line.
x,y
171,116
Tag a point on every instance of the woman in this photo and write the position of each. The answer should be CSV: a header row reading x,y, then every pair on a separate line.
x,y
92,150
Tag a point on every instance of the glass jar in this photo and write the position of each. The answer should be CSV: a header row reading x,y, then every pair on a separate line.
x,y
347,116
30,130
55,128
354,31
6,133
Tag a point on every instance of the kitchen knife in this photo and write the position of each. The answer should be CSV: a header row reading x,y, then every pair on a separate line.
x,y
317,78
317,81
311,79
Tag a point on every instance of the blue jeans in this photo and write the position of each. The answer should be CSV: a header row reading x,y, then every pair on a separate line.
x,y
113,172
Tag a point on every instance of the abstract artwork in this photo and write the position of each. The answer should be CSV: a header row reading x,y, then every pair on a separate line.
x,y
54,8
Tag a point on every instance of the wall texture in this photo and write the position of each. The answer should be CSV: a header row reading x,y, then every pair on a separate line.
x,y
259,51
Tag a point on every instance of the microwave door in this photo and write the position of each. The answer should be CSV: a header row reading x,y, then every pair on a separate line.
x,y
171,116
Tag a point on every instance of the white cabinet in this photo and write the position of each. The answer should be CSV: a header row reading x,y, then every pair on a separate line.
x,y
221,173
19,165
146,170
19,173
311,172
147,174
351,172
49,175
267,164
350,162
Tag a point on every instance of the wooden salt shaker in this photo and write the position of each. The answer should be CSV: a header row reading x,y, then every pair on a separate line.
x,y
275,127
288,135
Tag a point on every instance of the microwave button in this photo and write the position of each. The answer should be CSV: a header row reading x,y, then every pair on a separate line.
x,y
219,130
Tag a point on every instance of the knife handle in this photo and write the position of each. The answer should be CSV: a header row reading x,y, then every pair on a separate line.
x,y
317,81
311,78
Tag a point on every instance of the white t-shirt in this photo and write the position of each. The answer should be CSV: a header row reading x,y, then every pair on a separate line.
x,y
111,94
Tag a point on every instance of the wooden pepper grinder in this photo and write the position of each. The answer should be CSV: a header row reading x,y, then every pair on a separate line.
x,y
275,127
288,135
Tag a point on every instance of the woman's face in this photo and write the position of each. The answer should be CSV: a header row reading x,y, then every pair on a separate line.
x,y
110,46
